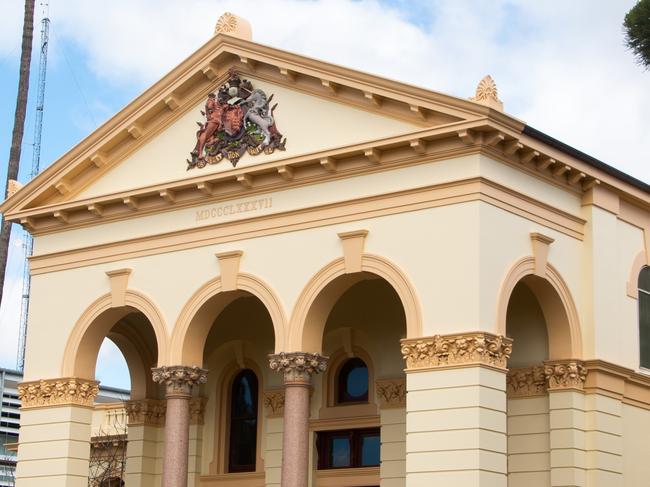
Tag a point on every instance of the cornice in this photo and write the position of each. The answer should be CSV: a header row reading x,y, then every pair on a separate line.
x,y
473,189
418,147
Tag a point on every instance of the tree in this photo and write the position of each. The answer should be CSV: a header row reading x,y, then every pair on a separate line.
x,y
19,128
637,32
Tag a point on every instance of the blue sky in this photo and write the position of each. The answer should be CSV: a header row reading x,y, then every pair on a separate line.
x,y
560,66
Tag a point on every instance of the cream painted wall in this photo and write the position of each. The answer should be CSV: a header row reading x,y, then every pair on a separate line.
x,y
505,239
440,250
310,123
636,445
384,182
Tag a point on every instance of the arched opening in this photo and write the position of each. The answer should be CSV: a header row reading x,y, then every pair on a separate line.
x,y
357,320
238,335
105,339
539,323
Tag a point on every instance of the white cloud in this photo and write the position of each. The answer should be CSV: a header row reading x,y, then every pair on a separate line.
x,y
563,69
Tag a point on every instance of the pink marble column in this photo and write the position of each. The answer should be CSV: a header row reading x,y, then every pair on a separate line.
x,y
179,381
297,368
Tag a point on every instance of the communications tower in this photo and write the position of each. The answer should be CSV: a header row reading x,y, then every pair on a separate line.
x,y
28,242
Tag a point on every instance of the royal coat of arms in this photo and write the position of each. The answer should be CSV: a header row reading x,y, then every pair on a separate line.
x,y
237,120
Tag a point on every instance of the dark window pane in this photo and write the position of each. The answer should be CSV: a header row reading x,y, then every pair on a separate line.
x,y
340,452
644,329
243,423
644,279
370,446
353,381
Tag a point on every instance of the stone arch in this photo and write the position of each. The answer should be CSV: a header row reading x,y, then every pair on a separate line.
x,y
329,284
101,320
197,316
640,261
558,307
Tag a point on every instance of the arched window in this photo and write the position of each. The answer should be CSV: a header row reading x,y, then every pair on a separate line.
x,y
644,317
352,382
242,453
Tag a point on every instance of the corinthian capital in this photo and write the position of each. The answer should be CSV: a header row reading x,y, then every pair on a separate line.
x,y
565,374
461,349
179,379
298,367
57,392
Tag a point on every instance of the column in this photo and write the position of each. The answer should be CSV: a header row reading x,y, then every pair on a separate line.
x,y
197,409
391,394
566,401
146,419
54,447
179,381
456,410
274,404
297,368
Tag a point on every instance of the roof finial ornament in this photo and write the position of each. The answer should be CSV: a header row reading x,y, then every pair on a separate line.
x,y
486,94
233,25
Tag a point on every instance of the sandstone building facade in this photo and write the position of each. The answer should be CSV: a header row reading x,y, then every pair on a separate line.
x,y
355,283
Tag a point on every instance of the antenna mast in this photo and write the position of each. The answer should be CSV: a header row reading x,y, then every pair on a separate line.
x,y
28,242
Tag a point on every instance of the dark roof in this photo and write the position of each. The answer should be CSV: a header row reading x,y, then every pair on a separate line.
x,y
592,161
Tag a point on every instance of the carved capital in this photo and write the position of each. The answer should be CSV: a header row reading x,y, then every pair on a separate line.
x,y
146,412
525,382
391,393
179,379
565,374
453,350
274,402
197,409
58,392
298,367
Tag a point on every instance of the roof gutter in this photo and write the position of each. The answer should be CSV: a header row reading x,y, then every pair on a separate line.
x,y
592,161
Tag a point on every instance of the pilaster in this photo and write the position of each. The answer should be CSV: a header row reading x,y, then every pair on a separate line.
x,y
54,447
391,395
567,422
146,419
456,410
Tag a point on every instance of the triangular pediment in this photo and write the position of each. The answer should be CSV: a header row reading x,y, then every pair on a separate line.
x,y
308,123
320,108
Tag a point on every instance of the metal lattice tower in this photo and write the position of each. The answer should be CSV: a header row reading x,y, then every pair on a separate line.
x,y
28,242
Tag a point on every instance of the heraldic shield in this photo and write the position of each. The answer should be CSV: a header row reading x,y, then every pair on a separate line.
x,y
237,120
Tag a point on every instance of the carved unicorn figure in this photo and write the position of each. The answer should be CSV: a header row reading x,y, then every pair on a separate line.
x,y
259,113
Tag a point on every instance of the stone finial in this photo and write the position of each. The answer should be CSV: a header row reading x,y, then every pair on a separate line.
x,y
12,187
233,25
486,94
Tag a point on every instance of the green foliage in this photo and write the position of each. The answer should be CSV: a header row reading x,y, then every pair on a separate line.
x,y
637,32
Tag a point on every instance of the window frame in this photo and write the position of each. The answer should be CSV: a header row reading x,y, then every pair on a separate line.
x,y
340,386
229,468
643,323
324,450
